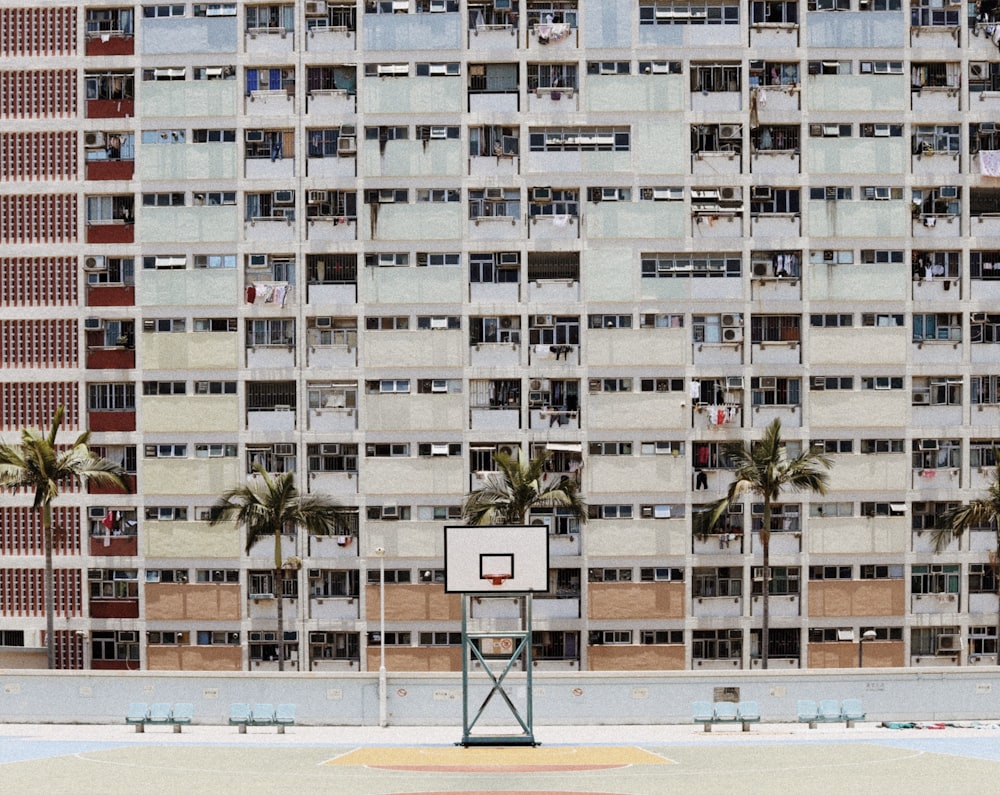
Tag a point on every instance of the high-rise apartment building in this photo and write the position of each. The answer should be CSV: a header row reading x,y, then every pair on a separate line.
x,y
377,242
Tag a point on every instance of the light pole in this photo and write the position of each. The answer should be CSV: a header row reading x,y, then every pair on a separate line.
x,y
383,719
869,634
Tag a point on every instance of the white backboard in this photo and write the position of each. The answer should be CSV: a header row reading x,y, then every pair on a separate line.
x,y
520,553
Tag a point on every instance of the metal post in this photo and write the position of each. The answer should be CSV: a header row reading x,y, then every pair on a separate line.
x,y
383,714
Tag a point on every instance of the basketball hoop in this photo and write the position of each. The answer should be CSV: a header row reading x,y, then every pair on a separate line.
x,y
496,579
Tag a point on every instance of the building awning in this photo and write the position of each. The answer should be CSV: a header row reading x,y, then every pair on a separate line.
x,y
565,447
897,507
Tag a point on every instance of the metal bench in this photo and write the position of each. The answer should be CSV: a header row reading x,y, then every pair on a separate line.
x,y
744,713
160,714
830,710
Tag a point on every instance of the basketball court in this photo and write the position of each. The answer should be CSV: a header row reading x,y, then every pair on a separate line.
x,y
624,760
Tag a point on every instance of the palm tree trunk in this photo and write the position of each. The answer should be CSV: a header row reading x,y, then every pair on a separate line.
x,y
50,597
765,622
279,585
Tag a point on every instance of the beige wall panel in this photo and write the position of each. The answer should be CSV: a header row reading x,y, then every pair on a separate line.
x,y
184,414
641,538
194,658
414,412
858,536
636,658
635,600
413,603
632,474
637,347
857,598
200,602
404,476
207,476
188,539
189,288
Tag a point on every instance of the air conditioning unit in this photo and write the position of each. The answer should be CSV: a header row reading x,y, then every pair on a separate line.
x,y
329,449
438,133
346,145
284,449
646,194
387,196
93,140
541,320
95,264
978,317
509,259
439,449
149,325
254,136
93,324
732,321
948,192
830,194
610,194
922,398
494,194
439,322
257,261
390,512
540,521
315,8
284,197
728,132
768,382
541,194
760,269
386,260
949,644
323,322
734,334
731,194
317,196
818,383
760,192
734,382
928,444
97,512
978,70
987,127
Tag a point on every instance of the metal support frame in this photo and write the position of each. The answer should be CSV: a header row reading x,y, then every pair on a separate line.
x,y
521,649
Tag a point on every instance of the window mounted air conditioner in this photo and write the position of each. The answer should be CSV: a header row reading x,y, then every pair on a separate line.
x,y
731,321
257,261
734,382
978,70
509,259
438,133
439,385
284,197
760,192
731,194
760,269
923,398
830,194
987,127
390,512
948,644
541,194
95,264
494,194
818,383
316,196
284,449
386,197
978,317
315,8
610,194
734,334
386,260
948,192
97,512
541,320
437,6
928,444
149,325
329,449
646,194
170,262
705,195
439,449
882,130
254,136
728,132
93,140
323,322
831,130
439,322
768,382
93,324
346,145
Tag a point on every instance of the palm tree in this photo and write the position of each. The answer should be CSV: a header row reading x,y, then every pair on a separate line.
x,y
764,471
517,487
982,512
265,506
37,464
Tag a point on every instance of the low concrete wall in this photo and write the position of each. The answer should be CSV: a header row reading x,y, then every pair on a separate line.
x,y
935,694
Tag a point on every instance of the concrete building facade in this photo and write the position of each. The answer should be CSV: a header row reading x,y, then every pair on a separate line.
x,y
661,226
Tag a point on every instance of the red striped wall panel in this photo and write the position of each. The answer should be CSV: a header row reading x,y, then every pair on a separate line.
x,y
38,218
32,405
21,530
38,281
33,156
38,31
38,343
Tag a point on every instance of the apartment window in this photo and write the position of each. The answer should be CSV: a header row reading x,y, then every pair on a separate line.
x,y
665,266
111,397
930,13
270,17
830,5
335,395
881,446
831,193
611,448
709,78
775,328
610,637
774,73
387,70
387,260
831,67
164,388
214,387
495,268
831,509
928,515
552,77
831,257
609,321
661,574
115,645
555,645
775,138
985,389
934,578
109,85
881,130
217,576
334,645
831,130
440,639
660,320
215,72
273,79
215,451
882,319
712,582
942,201
771,391
984,265
332,78
873,509
609,67
609,575
553,330
982,452
610,511
929,139
553,202
881,193
493,141
268,144
937,327
934,640
499,393
387,450
784,517
332,457
270,332
661,194
439,195
830,572
387,323
774,201
983,579
661,637
427,513
505,329
717,644
432,449
331,142
662,448
700,12
215,324
495,203
882,571
110,209
392,576
818,383
207,136
937,391
325,583
163,136
165,451
579,139
113,583
712,455
881,257
660,67
784,580
388,386
661,384
276,204
845,320
597,385
932,454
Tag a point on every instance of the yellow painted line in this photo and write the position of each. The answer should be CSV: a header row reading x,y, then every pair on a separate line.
x,y
486,757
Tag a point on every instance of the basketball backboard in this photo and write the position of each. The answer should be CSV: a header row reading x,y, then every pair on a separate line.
x,y
496,559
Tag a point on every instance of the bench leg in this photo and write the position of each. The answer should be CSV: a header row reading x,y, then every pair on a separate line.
x,y
140,728
812,724
708,727
746,727
177,728
243,728
850,724
281,729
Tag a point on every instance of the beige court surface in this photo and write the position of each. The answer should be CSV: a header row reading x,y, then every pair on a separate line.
x,y
626,760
